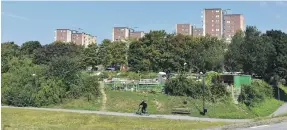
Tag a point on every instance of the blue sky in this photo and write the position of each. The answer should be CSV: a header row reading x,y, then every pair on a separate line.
x,y
23,21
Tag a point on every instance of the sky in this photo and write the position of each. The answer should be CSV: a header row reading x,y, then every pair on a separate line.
x,y
25,21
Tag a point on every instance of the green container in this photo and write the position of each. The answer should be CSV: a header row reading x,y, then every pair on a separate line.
x,y
241,79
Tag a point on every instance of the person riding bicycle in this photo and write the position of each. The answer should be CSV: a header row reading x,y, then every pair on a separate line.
x,y
144,106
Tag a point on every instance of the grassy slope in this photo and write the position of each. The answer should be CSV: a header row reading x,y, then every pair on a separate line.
x,y
81,104
162,104
36,119
122,101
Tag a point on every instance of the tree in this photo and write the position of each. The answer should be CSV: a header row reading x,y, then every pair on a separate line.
x,y
257,50
57,49
278,61
91,56
29,47
118,51
65,69
232,56
21,82
8,50
104,53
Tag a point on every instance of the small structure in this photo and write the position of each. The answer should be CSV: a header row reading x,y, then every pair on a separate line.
x,y
234,82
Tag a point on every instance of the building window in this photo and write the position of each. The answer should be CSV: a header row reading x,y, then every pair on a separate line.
x,y
212,20
227,21
212,30
217,11
212,25
217,21
217,16
217,30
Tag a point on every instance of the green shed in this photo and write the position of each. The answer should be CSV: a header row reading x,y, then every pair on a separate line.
x,y
241,79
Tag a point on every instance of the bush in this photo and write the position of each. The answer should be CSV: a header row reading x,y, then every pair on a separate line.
x,y
51,91
210,77
27,84
181,86
255,93
91,87
219,91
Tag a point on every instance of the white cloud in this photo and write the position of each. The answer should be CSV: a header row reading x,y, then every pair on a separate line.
x,y
14,16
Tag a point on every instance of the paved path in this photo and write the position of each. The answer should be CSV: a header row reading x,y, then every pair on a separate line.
x,y
279,126
175,117
281,110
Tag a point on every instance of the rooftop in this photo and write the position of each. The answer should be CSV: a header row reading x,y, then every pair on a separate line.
x,y
213,9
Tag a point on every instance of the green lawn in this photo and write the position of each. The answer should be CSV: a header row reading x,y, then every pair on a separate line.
x,y
37,119
81,104
122,101
284,88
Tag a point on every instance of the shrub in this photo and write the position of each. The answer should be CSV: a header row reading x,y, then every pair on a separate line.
x,y
51,91
255,93
181,86
219,91
210,77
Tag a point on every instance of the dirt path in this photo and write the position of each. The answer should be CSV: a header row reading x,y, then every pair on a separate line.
x,y
158,105
104,96
173,117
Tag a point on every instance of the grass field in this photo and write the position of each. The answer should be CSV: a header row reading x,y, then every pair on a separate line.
x,y
36,119
123,101
162,104
284,88
80,104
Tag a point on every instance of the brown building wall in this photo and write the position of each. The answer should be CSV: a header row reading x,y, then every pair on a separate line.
x,y
212,22
78,38
232,24
185,29
120,33
136,35
196,32
62,35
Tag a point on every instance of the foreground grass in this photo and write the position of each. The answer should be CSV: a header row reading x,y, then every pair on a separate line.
x,y
122,101
266,108
36,119
80,104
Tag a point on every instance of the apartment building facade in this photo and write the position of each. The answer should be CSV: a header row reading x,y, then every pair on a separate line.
x,y
79,38
213,22
197,32
232,24
136,35
185,29
89,39
64,35
120,33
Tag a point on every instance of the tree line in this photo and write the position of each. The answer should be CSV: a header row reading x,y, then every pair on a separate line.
x,y
36,75
60,64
